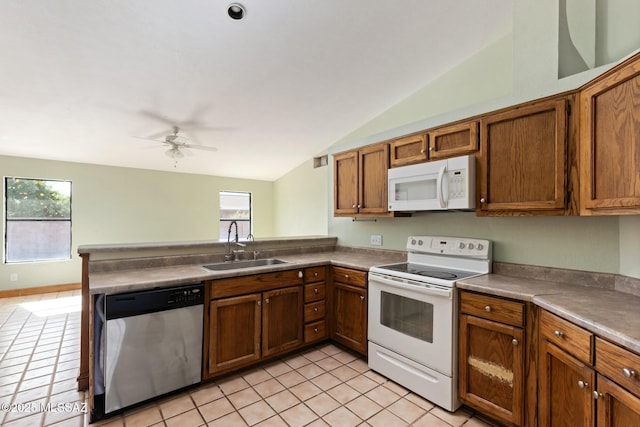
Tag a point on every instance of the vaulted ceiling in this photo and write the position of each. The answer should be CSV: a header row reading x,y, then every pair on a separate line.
x,y
84,81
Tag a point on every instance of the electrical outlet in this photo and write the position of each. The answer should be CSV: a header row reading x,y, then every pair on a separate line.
x,y
13,277
376,239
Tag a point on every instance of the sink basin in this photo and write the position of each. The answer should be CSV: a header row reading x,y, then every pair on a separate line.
x,y
232,265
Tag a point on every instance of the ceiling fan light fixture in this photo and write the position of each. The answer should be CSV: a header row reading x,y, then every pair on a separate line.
x,y
236,11
174,153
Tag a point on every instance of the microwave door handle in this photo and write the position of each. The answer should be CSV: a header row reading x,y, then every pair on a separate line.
x,y
439,184
424,289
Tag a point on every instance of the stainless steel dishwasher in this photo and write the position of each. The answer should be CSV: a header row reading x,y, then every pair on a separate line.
x,y
152,343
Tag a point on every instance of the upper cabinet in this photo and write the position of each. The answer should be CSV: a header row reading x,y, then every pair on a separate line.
x,y
453,140
523,160
408,150
610,142
360,181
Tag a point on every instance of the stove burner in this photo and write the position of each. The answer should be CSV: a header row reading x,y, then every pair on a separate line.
x,y
445,275
428,271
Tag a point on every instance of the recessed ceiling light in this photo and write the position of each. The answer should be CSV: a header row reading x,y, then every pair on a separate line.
x,y
236,11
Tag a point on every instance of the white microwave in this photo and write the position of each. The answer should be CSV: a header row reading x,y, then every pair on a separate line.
x,y
434,186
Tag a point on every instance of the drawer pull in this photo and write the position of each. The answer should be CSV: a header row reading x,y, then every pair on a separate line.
x,y
346,276
315,291
628,372
583,384
315,274
315,330
315,309
487,308
300,274
361,298
514,341
266,300
558,334
596,395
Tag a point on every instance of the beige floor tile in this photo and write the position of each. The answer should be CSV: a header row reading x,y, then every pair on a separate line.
x,y
475,422
256,412
230,420
342,417
344,373
310,371
375,377
278,368
322,404
330,349
456,418
359,365
315,355
35,382
205,394
275,421
242,398
216,409
362,383
329,364
147,416
406,410
282,401
232,385
257,376
318,423
298,416
396,388
175,406
343,393
29,421
268,388
297,361
290,379
305,390
382,395
325,381
430,420
190,418
386,418
420,401
78,421
344,357
363,407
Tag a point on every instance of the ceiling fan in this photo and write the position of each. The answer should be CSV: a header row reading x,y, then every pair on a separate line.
x,y
178,143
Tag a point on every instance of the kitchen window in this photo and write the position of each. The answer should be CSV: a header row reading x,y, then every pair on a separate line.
x,y
235,206
37,220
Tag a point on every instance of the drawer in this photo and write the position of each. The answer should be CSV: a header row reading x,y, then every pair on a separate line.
x,y
492,308
619,364
315,331
314,292
314,311
314,274
350,277
569,337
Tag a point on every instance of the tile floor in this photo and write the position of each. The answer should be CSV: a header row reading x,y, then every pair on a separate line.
x,y
321,386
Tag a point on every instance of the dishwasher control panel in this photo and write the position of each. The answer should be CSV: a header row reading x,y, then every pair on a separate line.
x,y
186,295
153,300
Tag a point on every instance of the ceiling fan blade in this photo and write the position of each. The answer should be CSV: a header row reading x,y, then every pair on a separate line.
x,y
158,117
154,140
200,147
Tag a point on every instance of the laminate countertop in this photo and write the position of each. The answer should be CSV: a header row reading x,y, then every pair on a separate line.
x,y
112,282
611,314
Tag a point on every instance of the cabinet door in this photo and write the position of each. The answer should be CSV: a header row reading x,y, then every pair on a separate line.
x,y
349,325
373,165
455,140
345,182
408,150
234,332
610,143
492,368
282,320
616,406
524,160
564,390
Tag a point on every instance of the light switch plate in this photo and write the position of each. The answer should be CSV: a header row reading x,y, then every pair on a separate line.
x,y
376,240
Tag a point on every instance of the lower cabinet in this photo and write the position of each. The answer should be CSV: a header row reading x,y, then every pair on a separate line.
x,y
281,320
491,356
349,308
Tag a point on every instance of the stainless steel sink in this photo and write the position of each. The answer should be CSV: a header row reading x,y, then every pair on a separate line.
x,y
232,265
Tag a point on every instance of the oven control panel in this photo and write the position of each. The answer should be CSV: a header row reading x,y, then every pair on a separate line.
x,y
459,246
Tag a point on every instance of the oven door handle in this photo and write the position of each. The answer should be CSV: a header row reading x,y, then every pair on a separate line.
x,y
423,288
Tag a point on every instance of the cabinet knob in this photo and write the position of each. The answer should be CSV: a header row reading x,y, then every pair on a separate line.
x,y
266,300
358,206
514,341
361,297
482,200
259,302
300,274
354,206
558,334
422,151
315,274
628,372
315,291
596,395
487,308
346,276
583,384
315,309
315,330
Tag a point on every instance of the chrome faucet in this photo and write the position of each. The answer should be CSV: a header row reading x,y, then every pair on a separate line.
x,y
251,239
238,252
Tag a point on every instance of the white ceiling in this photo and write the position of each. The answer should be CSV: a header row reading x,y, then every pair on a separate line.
x,y
80,80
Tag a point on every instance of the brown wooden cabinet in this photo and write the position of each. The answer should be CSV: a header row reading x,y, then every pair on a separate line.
x,y
610,142
408,150
492,356
453,140
349,308
315,323
282,320
523,160
360,181
575,391
234,332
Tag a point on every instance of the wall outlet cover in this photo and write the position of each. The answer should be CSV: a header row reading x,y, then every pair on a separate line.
x,y
376,240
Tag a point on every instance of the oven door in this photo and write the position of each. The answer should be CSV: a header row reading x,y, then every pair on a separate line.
x,y
413,319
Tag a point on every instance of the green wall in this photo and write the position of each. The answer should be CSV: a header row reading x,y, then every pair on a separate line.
x,y
124,205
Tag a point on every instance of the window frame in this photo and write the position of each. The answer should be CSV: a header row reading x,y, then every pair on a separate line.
x,y
7,219
238,220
